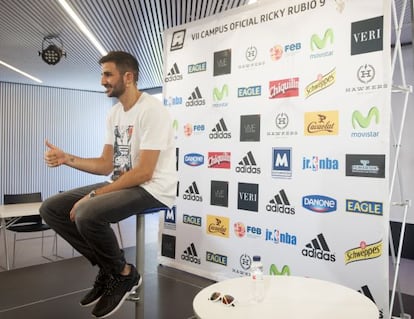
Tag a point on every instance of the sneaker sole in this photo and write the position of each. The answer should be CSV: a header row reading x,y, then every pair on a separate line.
x,y
90,304
123,299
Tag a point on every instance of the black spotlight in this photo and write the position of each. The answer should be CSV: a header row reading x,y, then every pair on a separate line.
x,y
52,49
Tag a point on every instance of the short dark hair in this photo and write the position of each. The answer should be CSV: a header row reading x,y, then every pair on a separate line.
x,y
124,62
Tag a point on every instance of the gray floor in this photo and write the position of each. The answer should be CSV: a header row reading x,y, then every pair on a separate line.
x,y
38,288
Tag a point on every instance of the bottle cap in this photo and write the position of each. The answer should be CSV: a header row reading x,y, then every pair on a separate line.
x,y
256,258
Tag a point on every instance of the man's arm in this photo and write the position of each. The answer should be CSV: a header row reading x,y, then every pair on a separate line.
x,y
102,165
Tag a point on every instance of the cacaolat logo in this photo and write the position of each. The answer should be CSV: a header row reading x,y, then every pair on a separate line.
x,y
218,226
364,252
321,123
322,82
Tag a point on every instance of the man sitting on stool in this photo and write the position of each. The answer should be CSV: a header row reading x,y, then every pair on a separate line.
x,y
139,150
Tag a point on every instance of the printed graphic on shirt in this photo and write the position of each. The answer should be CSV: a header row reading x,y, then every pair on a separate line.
x,y
122,150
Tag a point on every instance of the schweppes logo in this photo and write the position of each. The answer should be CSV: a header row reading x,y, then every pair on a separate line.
x,y
363,252
322,82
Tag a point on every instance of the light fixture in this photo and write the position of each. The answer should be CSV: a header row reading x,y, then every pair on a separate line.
x,y
52,49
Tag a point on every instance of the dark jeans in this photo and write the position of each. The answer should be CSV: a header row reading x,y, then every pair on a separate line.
x,y
91,234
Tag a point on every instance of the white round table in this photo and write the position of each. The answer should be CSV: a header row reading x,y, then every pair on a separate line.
x,y
286,297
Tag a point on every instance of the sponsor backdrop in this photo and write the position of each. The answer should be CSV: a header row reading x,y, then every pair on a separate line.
x,y
281,112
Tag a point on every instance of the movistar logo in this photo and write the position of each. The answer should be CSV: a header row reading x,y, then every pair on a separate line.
x,y
218,95
321,43
364,122
273,271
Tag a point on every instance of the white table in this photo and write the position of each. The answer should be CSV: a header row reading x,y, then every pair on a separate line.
x,y
286,297
15,211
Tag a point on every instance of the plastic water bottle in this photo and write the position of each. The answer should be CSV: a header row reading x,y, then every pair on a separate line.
x,y
256,274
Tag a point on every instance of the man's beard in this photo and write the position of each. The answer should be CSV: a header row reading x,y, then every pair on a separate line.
x,y
117,90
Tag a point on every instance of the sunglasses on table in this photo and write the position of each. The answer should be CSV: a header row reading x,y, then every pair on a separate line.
x,y
225,299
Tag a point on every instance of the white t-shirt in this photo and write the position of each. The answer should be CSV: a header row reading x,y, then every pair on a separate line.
x,y
146,126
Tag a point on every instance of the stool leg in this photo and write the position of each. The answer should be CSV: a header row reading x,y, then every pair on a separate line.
x,y
139,255
120,235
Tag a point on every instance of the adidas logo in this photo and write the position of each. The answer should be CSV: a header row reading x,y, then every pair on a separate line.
x,y
195,99
192,193
280,204
190,254
367,293
174,74
248,165
220,131
318,248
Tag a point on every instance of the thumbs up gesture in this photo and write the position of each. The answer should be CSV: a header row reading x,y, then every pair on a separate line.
x,y
54,156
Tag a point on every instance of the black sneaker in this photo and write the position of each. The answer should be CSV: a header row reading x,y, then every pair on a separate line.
x,y
117,290
98,289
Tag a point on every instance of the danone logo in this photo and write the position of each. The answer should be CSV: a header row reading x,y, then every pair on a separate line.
x,y
322,82
218,226
321,123
364,252
284,88
319,203
194,159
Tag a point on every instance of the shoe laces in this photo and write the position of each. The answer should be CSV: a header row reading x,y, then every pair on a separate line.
x,y
101,278
112,284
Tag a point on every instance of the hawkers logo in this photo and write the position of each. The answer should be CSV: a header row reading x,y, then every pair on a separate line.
x,y
280,204
284,88
318,248
195,99
192,193
322,82
174,74
190,254
319,203
248,165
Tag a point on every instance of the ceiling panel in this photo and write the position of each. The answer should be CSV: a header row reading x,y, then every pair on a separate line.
x,y
135,26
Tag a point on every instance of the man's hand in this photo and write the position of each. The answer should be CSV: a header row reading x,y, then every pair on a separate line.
x,y
54,156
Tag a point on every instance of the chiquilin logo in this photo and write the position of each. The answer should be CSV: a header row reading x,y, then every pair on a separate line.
x,y
319,203
281,162
216,258
318,249
220,131
284,88
174,74
190,254
219,96
321,123
322,82
364,252
195,99
278,237
315,163
218,226
177,41
364,207
280,204
319,44
364,123
219,160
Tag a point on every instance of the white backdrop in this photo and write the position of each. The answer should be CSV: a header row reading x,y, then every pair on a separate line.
x,y
282,124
